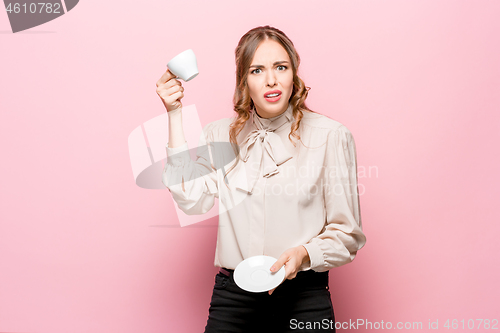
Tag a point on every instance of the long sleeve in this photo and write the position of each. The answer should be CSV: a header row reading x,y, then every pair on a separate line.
x,y
193,184
342,235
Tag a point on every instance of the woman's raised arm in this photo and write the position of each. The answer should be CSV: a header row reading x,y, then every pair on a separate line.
x,y
193,184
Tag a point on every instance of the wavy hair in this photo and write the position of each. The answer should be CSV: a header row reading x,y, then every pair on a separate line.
x,y
243,104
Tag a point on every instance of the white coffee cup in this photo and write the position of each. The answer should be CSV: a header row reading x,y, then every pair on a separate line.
x,y
184,65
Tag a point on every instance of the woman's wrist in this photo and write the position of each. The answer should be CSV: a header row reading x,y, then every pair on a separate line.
x,y
174,112
175,132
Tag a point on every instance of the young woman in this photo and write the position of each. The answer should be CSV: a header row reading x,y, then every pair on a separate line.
x,y
290,191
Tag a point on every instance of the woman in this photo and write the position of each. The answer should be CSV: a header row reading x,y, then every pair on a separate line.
x,y
290,191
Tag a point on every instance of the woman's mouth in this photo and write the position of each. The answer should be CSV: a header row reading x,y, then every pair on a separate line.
x,y
272,96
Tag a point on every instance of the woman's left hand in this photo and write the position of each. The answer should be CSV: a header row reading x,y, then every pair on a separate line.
x,y
292,258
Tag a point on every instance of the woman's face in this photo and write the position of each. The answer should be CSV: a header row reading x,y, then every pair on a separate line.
x,y
270,73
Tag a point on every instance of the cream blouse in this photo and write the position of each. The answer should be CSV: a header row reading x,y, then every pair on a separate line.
x,y
279,195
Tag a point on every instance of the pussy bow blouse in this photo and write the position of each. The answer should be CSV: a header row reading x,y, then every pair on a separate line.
x,y
279,195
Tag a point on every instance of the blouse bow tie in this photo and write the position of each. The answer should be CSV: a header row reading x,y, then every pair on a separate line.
x,y
264,147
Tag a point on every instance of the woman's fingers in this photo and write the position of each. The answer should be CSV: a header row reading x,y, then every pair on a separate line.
x,y
170,91
166,92
173,102
176,96
165,77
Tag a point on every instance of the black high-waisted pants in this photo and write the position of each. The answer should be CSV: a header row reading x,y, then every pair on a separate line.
x,y
302,304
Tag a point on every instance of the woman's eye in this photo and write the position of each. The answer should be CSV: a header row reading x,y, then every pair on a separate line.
x,y
280,68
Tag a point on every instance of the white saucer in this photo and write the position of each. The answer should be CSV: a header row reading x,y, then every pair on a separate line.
x,y
253,274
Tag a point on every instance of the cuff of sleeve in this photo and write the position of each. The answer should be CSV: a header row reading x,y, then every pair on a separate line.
x,y
315,257
179,155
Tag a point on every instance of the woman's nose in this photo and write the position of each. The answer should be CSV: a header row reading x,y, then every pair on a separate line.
x,y
271,80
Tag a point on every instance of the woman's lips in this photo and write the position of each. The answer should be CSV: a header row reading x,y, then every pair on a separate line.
x,y
272,99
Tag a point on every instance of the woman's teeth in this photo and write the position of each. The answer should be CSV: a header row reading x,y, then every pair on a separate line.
x,y
272,95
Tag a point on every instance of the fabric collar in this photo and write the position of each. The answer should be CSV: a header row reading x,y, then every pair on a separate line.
x,y
264,147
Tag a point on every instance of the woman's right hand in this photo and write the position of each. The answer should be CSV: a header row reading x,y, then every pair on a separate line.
x,y
170,91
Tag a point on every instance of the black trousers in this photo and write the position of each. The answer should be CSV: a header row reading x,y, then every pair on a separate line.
x,y
302,304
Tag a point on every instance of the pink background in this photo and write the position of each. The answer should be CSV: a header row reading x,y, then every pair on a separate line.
x,y
83,249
